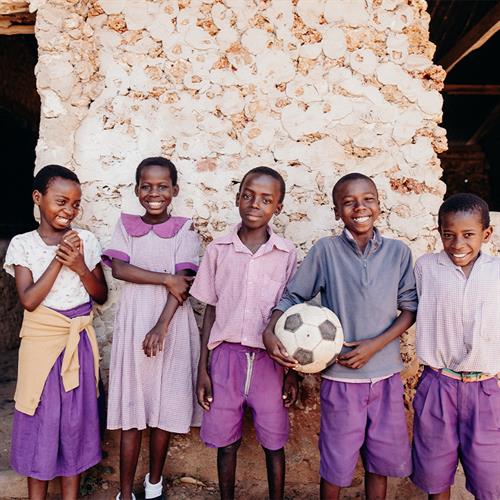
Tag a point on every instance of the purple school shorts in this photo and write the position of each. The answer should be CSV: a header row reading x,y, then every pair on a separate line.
x,y
245,376
456,420
367,418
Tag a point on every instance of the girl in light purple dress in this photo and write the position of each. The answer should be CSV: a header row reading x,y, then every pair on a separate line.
x,y
156,340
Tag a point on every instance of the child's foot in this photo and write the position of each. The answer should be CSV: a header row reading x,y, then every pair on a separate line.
x,y
152,490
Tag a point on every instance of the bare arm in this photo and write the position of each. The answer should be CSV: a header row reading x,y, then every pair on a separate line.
x,y
178,285
365,349
153,341
31,293
273,345
204,384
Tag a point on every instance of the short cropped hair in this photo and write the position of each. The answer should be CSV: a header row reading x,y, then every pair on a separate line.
x,y
48,173
271,173
156,161
465,202
353,176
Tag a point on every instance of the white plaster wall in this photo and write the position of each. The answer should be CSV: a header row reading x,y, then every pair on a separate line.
x,y
315,89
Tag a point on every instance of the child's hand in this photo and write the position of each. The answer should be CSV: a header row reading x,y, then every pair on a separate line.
x,y
204,390
153,341
277,350
70,253
179,286
361,354
290,388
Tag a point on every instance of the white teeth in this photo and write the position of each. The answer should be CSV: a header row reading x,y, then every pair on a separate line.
x,y
155,204
459,255
360,219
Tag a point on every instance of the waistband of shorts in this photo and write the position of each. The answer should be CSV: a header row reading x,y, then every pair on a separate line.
x,y
233,346
466,377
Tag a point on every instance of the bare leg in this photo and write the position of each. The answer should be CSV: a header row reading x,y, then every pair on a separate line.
x,y
226,469
444,495
275,464
375,486
328,491
130,447
70,487
158,447
37,490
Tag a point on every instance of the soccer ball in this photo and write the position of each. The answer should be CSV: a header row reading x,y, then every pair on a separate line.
x,y
312,335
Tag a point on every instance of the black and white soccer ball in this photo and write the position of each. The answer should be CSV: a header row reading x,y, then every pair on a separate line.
x,y
312,335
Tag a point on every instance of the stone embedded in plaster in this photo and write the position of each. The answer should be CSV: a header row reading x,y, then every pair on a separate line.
x,y
430,102
334,43
420,152
274,67
363,61
198,38
311,12
310,50
350,12
395,19
397,47
255,40
52,106
112,6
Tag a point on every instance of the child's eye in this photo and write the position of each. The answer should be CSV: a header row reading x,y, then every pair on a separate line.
x,y
246,196
266,201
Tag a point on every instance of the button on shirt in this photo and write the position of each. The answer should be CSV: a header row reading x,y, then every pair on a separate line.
x,y
243,287
458,318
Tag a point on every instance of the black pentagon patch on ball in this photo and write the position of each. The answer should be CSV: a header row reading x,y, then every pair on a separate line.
x,y
303,356
328,330
293,322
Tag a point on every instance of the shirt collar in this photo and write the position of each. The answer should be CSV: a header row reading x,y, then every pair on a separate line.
x,y
373,244
232,238
135,226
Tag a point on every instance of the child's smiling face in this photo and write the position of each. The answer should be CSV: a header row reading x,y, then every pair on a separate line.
x,y
462,234
155,190
356,203
258,200
60,203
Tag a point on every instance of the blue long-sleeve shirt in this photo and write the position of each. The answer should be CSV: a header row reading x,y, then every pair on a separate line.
x,y
364,289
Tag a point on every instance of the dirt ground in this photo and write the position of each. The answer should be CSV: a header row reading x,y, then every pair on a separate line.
x,y
100,483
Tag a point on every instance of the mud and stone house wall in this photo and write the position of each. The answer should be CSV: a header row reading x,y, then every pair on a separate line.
x,y
315,89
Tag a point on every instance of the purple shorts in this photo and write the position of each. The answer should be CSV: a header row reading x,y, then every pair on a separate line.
x,y
456,420
367,418
245,376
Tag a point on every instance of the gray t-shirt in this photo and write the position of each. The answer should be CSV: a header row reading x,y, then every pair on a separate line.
x,y
365,290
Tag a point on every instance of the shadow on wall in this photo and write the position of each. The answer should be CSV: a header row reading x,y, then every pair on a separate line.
x,y
19,121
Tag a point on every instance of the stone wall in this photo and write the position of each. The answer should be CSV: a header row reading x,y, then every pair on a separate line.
x,y
315,89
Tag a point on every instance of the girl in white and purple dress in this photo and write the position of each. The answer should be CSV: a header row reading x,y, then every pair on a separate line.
x,y
156,340
55,430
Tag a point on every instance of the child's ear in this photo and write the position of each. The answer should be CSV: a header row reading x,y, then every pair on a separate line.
x,y
279,208
336,212
136,190
176,190
487,233
37,197
237,201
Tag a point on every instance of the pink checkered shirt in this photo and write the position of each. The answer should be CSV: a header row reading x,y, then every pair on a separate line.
x,y
243,287
458,318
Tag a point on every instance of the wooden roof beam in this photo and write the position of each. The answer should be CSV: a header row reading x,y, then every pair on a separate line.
x,y
9,7
471,89
477,36
488,124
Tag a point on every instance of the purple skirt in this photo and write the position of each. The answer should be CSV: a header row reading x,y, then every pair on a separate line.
x,y
62,437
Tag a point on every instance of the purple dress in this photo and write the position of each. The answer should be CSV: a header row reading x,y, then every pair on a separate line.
x,y
62,437
157,391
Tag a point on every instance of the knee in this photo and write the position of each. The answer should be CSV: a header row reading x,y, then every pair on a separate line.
x,y
230,449
274,453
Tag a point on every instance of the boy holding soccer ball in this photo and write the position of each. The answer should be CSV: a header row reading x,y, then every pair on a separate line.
x,y
365,280
241,279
